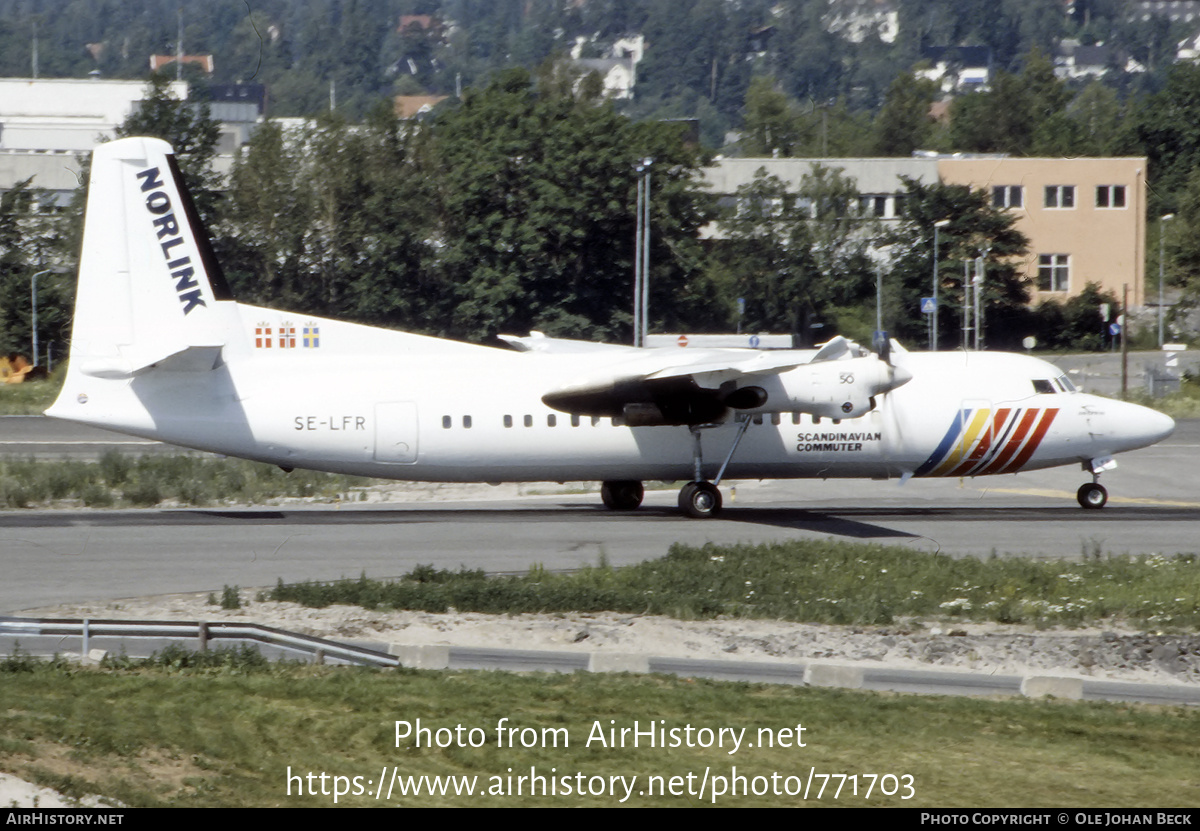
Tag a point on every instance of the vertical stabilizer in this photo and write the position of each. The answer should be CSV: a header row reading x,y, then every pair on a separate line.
x,y
149,285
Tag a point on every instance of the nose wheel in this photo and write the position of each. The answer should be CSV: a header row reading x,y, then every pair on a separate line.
x,y
1092,495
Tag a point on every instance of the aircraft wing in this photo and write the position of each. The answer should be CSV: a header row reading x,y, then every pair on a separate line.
x,y
695,386
674,386
539,342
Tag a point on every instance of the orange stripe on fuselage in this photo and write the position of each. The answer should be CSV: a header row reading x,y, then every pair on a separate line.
x,y
1013,444
1034,441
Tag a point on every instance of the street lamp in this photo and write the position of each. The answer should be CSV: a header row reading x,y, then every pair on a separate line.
x,y
1162,233
33,306
933,334
641,255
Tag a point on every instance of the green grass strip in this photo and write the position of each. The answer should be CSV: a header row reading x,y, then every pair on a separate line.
x,y
810,581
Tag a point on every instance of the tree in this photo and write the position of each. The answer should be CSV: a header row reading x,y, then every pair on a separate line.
x,y
28,246
336,221
190,129
1009,117
536,194
1168,128
772,124
904,123
767,259
975,229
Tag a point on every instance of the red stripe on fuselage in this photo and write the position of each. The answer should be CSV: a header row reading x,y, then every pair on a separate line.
x,y
1034,441
1012,444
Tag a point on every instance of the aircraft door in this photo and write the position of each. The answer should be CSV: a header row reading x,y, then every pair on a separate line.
x,y
396,432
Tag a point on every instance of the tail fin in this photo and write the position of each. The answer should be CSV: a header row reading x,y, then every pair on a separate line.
x,y
149,288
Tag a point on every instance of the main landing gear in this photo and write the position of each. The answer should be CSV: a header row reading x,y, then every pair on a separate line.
x,y
699,498
625,495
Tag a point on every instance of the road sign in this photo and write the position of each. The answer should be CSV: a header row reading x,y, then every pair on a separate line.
x,y
928,305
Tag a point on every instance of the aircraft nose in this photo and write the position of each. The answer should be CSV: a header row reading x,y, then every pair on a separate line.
x,y
1144,426
1157,426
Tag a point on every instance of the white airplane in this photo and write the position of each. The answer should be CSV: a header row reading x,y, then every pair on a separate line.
x,y
161,350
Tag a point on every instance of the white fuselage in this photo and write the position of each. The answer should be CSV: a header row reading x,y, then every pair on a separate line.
x,y
387,404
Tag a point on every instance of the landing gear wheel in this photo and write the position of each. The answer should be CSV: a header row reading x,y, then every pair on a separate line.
x,y
622,495
1092,495
700,500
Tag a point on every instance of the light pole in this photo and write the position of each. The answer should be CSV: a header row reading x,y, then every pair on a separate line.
x,y
33,307
933,334
641,255
1162,233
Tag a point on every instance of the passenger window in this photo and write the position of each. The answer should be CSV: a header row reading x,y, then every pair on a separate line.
x,y
795,418
508,421
446,422
618,421
528,421
551,420
776,418
467,422
574,421
595,421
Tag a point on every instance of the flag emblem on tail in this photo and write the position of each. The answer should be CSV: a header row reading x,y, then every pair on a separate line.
x,y
262,336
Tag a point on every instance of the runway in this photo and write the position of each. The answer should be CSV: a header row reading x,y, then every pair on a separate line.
x,y
58,556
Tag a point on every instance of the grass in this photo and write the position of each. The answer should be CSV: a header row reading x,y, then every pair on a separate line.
x,y
32,397
818,581
119,479
228,730
1182,404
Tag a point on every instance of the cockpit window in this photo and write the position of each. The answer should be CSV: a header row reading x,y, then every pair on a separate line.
x,y
1043,387
1065,383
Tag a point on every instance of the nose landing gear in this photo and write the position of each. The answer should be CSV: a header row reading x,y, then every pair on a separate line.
x,y
1094,495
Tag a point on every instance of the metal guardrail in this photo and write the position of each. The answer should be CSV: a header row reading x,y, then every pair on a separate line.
x,y
202,632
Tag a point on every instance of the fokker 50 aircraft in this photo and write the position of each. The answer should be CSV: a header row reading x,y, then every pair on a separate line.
x,y
161,350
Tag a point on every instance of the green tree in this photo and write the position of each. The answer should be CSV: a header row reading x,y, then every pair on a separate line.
x,y
189,128
536,195
1016,114
904,123
975,229
1168,128
27,247
773,124
766,257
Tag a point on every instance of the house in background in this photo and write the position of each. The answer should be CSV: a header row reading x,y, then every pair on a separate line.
x,y
1084,217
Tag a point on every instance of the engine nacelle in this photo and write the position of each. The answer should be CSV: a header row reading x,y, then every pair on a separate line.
x,y
845,388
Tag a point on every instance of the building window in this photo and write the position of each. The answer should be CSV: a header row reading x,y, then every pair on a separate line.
x,y
1060,196
1054,272
1110,196
1007,196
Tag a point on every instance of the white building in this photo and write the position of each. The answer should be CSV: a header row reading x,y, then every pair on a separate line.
x,y
46,123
